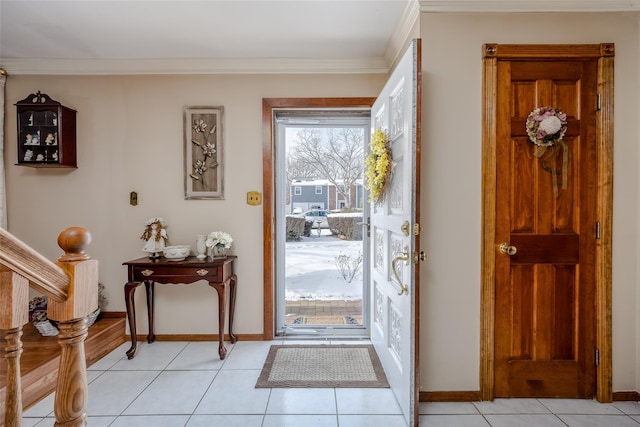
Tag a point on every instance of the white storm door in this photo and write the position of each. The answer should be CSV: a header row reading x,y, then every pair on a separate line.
x,y
393,242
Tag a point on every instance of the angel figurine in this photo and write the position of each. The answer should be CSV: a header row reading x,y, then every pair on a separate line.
x,y
154,236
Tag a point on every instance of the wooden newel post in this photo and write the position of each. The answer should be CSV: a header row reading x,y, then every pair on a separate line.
x,y
71,314
72,387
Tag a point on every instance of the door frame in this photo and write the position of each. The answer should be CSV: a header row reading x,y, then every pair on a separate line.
x,y
269,105
605,53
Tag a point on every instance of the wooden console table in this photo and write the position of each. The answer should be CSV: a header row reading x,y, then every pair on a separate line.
x,y
218,272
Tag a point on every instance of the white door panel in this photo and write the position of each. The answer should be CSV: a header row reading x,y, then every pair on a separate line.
x,y
393,309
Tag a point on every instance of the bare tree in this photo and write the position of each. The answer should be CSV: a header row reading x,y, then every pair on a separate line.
x,y
335,154
295,170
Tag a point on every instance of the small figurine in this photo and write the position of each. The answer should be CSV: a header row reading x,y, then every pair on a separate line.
x,y
54,156
154,236
39,158
28,155
29,139
49,140
35,140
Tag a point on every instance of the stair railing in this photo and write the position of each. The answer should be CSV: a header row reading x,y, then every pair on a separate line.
x,y
71,285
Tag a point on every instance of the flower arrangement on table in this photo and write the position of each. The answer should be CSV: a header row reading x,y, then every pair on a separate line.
x,y
378,167
546,127
219,242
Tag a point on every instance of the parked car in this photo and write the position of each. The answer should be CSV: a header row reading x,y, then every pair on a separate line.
x,y
317,216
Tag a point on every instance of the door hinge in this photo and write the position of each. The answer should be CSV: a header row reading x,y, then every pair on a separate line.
x,y
597,357
599,102
597,229
416,229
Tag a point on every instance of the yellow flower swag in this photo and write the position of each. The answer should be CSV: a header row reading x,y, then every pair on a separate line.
x,y
378,166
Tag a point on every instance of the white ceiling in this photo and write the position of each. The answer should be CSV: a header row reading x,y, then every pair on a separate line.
x,y
205,30
204,36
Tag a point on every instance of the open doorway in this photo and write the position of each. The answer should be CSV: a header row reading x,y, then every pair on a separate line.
x,y
321,263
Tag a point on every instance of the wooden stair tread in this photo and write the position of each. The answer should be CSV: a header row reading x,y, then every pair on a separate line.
x,y
41,355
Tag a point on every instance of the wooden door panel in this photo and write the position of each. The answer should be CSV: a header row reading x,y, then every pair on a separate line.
x,y
545,248
545,291
523,315
529,181
538,290
534,71
524,178
563,324
531,379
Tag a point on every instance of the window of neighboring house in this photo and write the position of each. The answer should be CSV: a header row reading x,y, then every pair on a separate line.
x,y
297,191
318,189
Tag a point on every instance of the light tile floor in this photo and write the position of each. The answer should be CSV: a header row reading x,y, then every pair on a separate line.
x,y
185,384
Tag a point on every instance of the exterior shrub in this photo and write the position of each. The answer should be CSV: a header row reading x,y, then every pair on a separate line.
x,y
346,226
296,228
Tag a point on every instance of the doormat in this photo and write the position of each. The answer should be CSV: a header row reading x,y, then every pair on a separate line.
x,y
322,366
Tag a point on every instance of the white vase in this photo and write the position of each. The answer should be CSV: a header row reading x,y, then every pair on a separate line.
x,y
201,248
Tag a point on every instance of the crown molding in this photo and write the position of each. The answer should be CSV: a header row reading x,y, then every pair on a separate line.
x,y
193,66
378,65
529,6
402,31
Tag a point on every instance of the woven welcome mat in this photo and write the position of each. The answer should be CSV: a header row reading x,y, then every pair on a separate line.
x,y
322,366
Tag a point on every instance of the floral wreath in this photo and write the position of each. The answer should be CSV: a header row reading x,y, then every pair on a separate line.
x,y
379,165
546,127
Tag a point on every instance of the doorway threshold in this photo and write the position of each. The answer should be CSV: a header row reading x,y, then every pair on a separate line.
x,y
322,332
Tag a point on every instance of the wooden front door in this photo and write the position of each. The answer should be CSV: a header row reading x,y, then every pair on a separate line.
x,y
546,231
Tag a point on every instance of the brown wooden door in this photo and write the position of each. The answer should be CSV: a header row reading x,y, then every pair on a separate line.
x,y
545,292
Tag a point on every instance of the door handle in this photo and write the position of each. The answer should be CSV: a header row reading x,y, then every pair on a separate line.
x,y
402,257
507,249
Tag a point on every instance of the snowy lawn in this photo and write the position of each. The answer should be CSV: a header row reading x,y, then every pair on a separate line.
x,y
312,272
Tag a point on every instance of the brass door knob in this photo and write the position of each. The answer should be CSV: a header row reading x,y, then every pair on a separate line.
x,y
507,249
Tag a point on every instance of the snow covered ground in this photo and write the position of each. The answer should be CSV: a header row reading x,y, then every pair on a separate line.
x,y
311,272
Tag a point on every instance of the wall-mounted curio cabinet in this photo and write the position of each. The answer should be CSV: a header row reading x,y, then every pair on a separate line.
x,y
46,133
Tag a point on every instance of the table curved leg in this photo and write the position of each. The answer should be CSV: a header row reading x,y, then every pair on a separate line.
x,y
129,291
221,289
232,307
149,285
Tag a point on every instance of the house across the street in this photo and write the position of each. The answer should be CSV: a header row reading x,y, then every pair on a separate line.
x,y
322,194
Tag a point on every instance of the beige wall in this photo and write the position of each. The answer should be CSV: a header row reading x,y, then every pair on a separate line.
x,y
130,138
452,69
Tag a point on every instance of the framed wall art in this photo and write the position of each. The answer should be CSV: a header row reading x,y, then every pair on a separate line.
x,y
203,152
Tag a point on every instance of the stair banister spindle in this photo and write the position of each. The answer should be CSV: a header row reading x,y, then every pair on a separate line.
x,y
14,314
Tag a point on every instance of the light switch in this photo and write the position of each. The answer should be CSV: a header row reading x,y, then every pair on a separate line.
x,y
254,198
